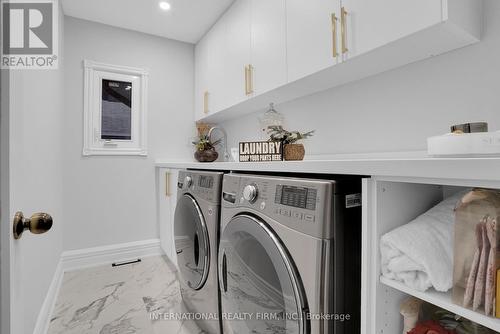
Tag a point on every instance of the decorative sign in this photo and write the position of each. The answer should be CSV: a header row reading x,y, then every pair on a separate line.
x,y
256,151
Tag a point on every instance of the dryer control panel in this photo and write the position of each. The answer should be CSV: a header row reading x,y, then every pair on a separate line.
x,y
305,205
205,185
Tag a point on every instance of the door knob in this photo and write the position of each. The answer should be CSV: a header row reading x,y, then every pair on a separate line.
x,y
38,223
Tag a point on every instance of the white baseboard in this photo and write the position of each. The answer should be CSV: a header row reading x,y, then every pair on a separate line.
x,y
45,314
91,257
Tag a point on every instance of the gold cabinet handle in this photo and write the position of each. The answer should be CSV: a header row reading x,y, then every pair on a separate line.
x,y
334,36
250,79
205,102
343,27
246,80
167,184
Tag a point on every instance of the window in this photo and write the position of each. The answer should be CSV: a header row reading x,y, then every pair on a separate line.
x,y
114,110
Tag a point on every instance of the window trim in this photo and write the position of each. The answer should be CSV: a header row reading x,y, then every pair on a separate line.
x,y
92,144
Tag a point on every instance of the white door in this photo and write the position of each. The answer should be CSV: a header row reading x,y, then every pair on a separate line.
x,y
237,53
268,45
311,35
371,24
31,182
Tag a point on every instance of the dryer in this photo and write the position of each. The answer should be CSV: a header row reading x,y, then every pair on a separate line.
x,y
290,255
196,231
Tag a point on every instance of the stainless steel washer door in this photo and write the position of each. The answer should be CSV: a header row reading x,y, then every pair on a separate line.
x,y
258,280
191,242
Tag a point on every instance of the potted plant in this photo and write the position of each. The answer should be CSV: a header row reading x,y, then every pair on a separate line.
x,y
291,149
205,149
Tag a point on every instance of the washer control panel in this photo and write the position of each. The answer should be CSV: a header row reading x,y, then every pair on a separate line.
x,y
206,185
302,204
298,197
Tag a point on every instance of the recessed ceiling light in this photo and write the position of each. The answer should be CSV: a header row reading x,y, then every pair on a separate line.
x,y
164,5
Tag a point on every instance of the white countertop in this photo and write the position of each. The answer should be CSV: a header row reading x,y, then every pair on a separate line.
x,y
401,164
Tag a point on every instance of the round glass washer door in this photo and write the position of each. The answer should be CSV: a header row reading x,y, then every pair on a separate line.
x,y
258,280
191,242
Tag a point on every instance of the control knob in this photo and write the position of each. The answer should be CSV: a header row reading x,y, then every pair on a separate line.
x,y
188,181
250,193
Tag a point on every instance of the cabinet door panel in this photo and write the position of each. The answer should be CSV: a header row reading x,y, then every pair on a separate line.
x,y
164,209
237,52
167,199
310,36
201,78
371,24
216,39
268,44
174,175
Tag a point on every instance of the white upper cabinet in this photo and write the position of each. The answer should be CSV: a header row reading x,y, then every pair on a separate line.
x,y
201,90
366,25
237,53
264,51
216,71
312,36
209,72
268,61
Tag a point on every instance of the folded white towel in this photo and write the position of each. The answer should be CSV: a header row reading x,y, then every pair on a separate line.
x,y
420,253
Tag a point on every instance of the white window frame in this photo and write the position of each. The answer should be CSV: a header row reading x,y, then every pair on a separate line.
x,y
92,143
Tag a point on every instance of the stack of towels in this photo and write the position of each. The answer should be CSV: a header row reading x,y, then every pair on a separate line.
x,y
420,253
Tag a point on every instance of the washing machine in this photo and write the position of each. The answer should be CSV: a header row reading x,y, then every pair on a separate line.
x,y
196,230
290,255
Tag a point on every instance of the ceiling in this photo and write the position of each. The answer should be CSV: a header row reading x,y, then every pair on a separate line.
x,y
186,21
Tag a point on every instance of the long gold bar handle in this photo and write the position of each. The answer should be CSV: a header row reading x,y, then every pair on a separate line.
x,y
246,80
334,36
343,27
205,102
250,79
167,184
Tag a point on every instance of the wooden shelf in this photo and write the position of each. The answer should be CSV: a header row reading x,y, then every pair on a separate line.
x,y
443,300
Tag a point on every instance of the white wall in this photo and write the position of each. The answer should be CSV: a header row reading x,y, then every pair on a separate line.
x,y
398,110
33,179
110,200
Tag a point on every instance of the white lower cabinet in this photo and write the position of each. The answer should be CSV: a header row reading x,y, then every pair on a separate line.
x,y
167,200
389,203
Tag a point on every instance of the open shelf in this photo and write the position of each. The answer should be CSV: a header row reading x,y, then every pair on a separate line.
x,y
443,300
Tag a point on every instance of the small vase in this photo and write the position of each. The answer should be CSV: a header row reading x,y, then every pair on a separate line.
x,y
294,152
206,155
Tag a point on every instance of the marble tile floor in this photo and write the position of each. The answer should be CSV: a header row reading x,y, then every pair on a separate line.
x,y
121,300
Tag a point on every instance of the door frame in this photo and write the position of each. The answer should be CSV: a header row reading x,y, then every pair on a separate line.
x,y
5,225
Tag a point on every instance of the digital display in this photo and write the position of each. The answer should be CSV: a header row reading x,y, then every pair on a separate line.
x,y
206,181
298,197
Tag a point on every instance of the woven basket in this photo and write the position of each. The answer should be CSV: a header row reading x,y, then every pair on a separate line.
x,y
294,152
